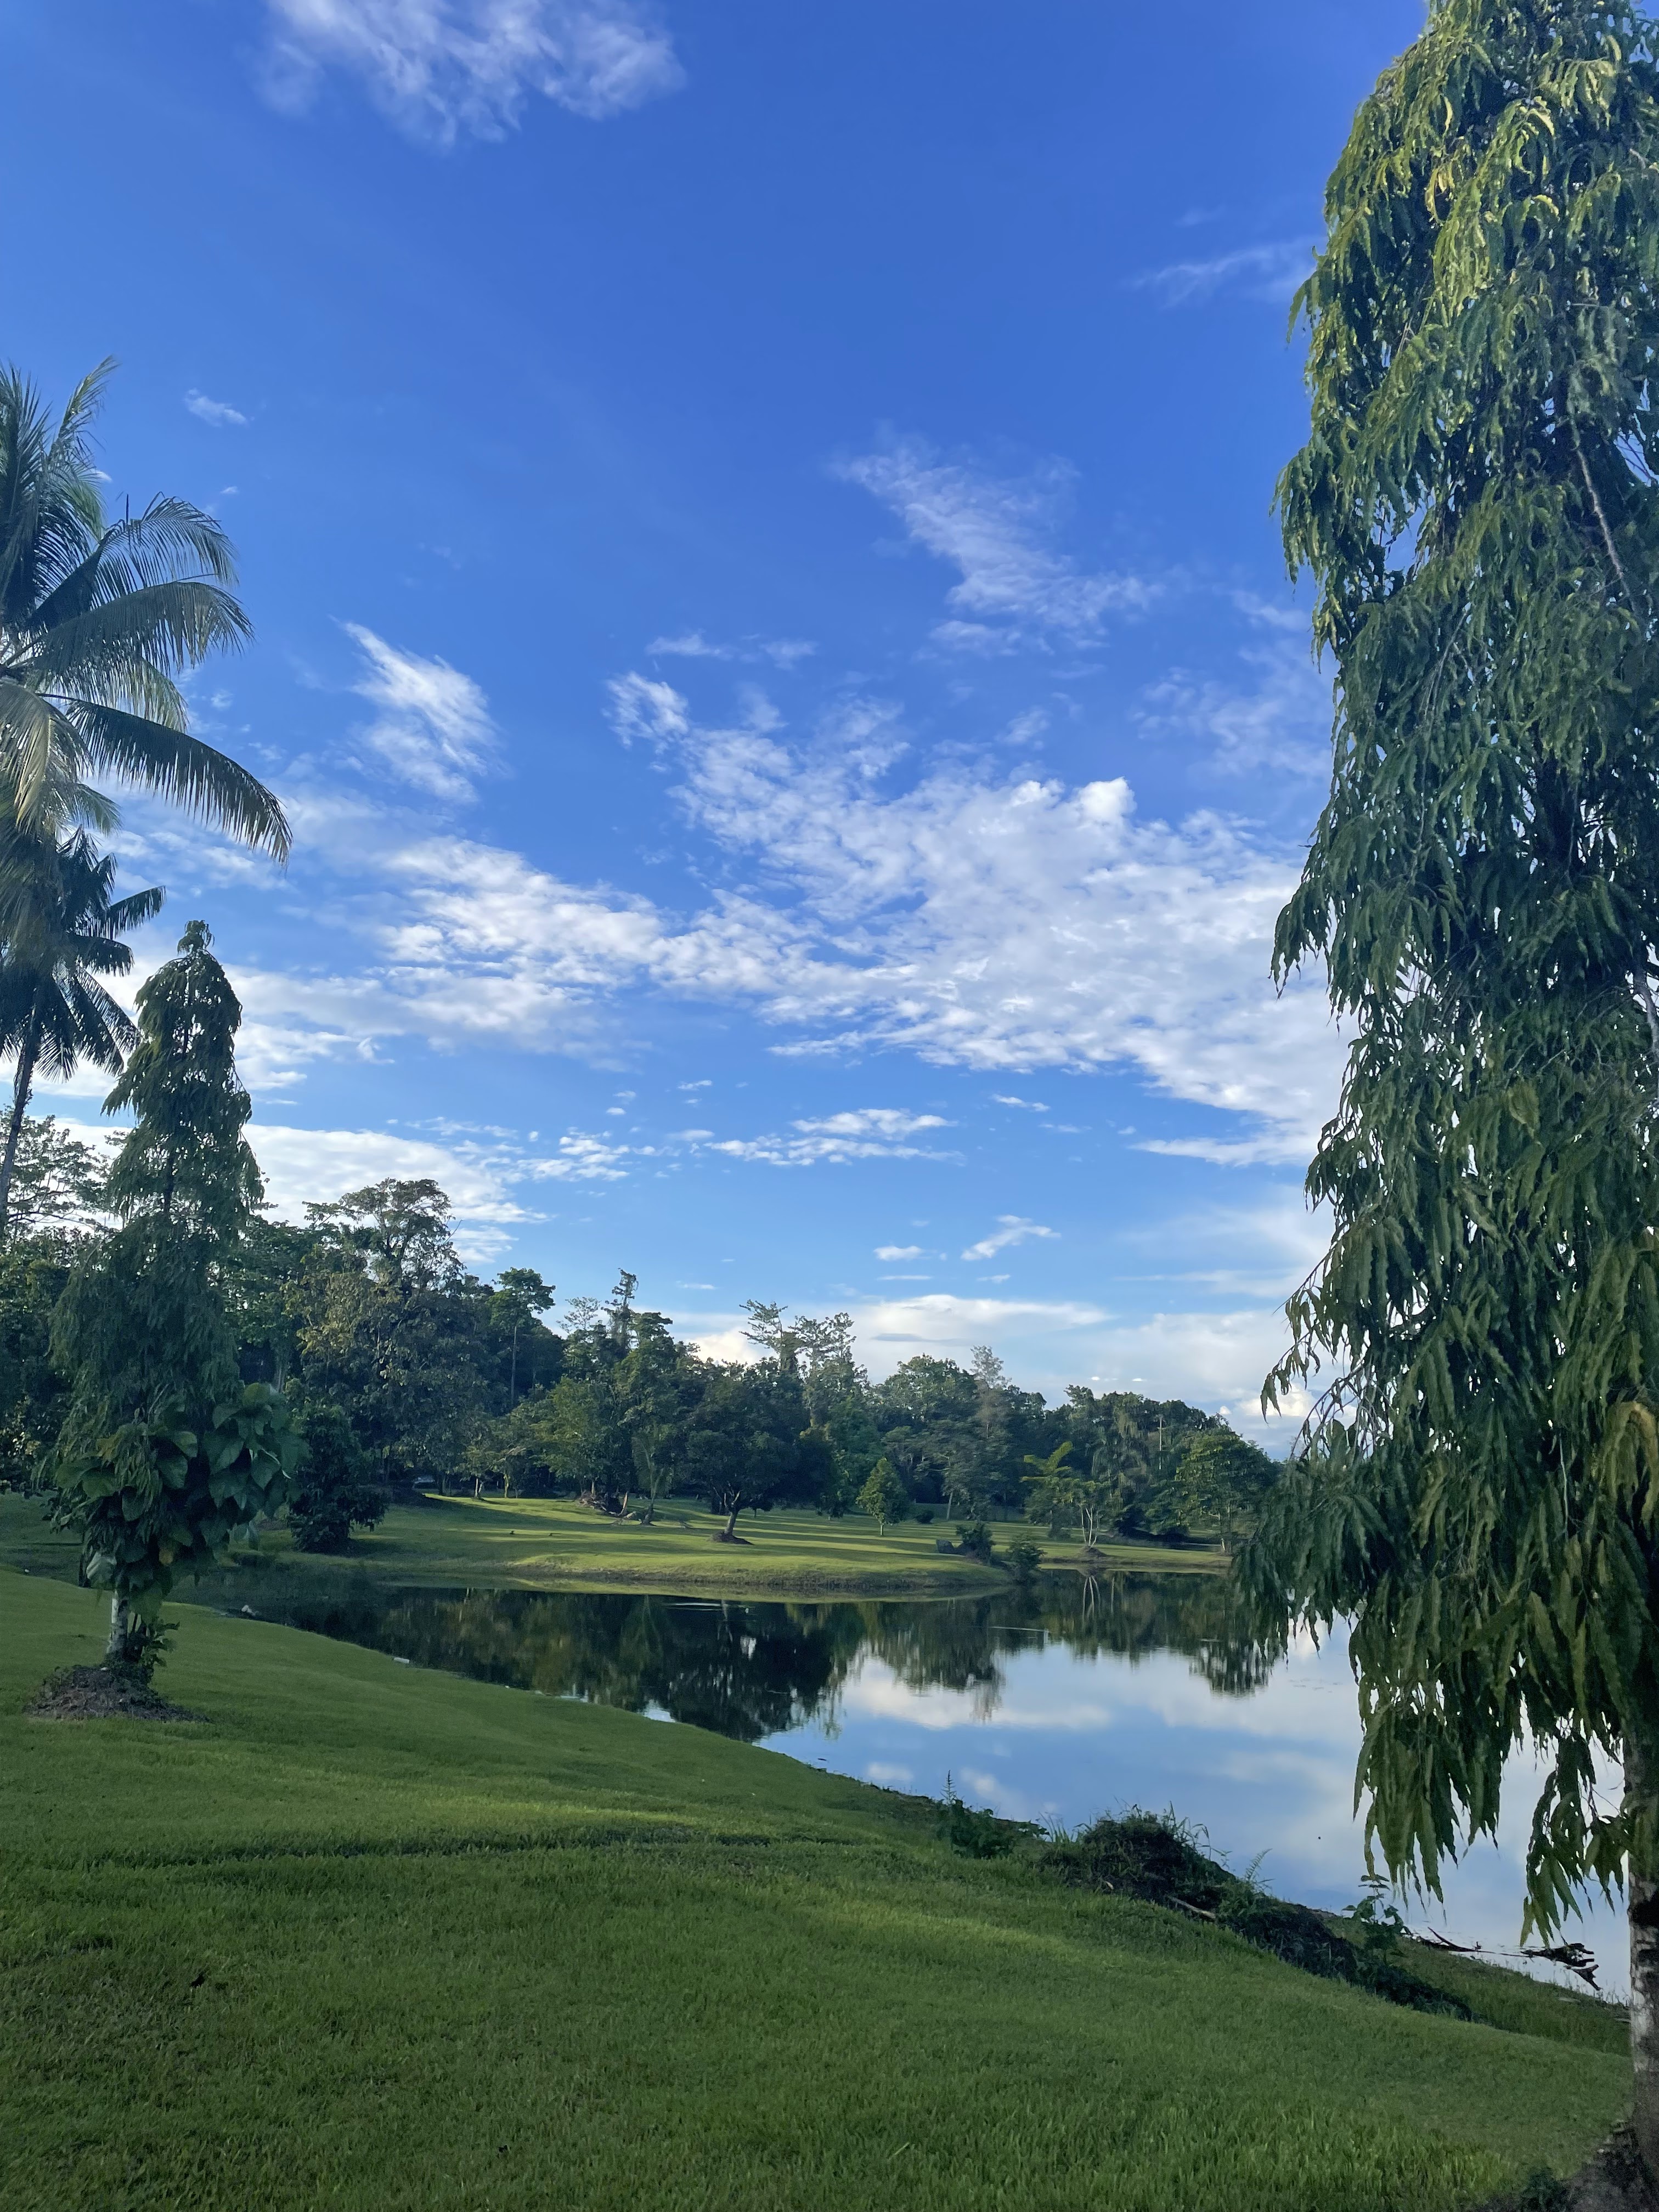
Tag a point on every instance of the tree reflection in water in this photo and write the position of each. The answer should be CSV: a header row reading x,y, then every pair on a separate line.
x,y
749,1670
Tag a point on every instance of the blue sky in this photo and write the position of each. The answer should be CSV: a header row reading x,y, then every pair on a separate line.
x,y
769,623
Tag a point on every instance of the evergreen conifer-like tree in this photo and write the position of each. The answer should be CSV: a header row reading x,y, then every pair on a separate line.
x,y
1478,502
165,1455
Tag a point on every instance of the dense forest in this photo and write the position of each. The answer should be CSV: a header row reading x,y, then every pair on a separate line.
x,y
407,1372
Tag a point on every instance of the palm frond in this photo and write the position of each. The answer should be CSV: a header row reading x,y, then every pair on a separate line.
x,y
166,625
41,752
171,542
181,769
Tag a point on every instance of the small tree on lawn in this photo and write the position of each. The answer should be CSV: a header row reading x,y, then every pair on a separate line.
x,y
883,1497
1221,1478
1093,1494
165,1455
335,1491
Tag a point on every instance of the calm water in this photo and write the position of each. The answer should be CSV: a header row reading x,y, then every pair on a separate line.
x,y
1054,1705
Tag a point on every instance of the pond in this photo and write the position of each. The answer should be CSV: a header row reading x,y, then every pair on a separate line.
x,y
1054,1703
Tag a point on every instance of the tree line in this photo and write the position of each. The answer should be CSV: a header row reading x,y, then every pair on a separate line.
x,y
406,1371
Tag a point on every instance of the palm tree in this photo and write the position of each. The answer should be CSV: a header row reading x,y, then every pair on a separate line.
x,y
65,933
98,620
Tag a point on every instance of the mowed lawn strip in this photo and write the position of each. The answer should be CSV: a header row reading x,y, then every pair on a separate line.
x,y
368,1936
554,1542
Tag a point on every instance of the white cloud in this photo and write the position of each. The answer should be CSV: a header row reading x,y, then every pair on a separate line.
x,y
892,1329
306,1166
898,1251
446,68
434,726
998,531
1213,1359
1270,272
1031,1105
479,1174
1013,1230
216,412
867,1132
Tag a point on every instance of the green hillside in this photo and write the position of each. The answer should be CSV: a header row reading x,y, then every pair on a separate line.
x,y
366,1936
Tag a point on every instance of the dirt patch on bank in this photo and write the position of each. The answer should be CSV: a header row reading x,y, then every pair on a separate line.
x,y
103,1693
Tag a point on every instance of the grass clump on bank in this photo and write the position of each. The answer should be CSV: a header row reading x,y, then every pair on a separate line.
x,y
367,1936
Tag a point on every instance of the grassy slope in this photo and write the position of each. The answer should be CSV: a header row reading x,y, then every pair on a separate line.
x,y
370,1937
541,1542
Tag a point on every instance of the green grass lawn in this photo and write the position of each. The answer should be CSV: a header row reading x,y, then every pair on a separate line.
x,y
370,1936
541,1543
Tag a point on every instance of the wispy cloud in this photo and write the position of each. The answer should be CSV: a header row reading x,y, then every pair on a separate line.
x,y
692,645
215,412
641,707
447,68
1012,1229
1017,589
1278,723
893,1252
434,726
1270,272
1031,1105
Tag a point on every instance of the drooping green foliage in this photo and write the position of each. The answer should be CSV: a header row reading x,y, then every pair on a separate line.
x,y
98,621
1476,503
165,1453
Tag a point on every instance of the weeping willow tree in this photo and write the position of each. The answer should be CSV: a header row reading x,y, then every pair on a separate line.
x,y
1478,1484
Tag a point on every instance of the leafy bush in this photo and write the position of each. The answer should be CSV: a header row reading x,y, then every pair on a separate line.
x,y
1022,1559
1155,1857
976,1832
974,1538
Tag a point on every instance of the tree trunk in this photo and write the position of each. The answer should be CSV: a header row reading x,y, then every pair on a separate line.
x,y
731,1522
1643,1892
22,1083
120,1625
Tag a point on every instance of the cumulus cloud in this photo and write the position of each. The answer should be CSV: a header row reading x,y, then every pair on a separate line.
x,y
443,70
999,925
215,413
898,1252
1012,1230
434,725
1269,273
1016,588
